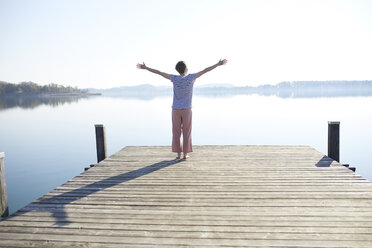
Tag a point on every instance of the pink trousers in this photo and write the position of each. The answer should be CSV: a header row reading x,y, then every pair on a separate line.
x,y
181,126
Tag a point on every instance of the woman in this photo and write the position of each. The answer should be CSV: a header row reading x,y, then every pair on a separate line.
x,y
182,102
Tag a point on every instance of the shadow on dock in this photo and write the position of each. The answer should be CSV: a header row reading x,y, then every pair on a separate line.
x,y
68,197
324,162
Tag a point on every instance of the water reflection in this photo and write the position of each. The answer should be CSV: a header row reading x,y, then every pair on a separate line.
x,y
31,102
281,90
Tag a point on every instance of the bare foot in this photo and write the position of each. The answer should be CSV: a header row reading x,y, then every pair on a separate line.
x,y
185,156
178,156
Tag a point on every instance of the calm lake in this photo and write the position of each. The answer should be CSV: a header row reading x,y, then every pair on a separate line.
x,y
48,142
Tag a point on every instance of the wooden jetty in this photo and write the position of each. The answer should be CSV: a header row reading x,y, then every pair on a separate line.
x,y
223,196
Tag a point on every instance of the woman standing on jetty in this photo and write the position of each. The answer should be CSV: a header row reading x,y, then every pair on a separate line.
x,y
182,102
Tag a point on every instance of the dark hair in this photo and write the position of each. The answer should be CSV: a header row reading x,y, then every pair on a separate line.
x,y
181,67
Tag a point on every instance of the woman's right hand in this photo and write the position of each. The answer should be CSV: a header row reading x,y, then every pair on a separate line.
x,y
222,62
141,66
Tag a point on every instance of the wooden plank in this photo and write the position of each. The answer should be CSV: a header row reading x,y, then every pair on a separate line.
x,y
265,240
26,226
4,210
150,220
295,215
185,234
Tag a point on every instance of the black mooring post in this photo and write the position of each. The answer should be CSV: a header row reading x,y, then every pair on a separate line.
x,y
4,210
334,140
100,142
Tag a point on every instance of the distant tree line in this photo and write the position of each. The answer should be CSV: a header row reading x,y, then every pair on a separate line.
x,y
31,88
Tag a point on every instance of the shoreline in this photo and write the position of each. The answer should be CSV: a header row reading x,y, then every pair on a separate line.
x,y
53,95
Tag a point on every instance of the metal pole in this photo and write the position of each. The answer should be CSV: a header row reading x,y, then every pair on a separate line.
x,y
334,140
100,142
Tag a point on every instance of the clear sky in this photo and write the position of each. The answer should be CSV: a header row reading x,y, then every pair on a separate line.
x,y
88,43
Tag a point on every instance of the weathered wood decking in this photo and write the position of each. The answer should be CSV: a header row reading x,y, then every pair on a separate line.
x,y
243,196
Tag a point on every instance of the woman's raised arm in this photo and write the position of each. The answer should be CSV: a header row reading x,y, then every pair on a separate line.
x,y
143,66
221,62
